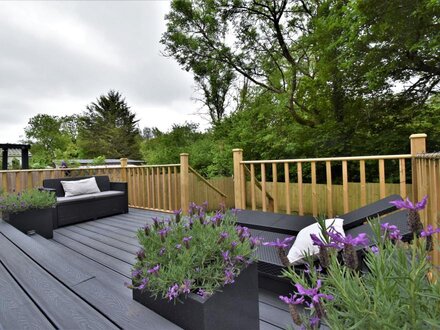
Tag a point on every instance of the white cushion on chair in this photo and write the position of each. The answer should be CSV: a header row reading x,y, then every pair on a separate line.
x,y
303,244
80,187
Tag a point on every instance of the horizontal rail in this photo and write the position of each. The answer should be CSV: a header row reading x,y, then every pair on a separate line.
x,y
207,182
331,159
434,155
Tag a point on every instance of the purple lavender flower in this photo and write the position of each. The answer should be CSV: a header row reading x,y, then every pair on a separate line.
x,y
314,322
140,254
244,233
147,230
186,286
178,246
292,300
143,284
240,258
136,272
233,245
429,231
222,207
177,215
192,209
229,277
217,218
226,257
359,240
202,293
162,251
391,231
156,222
186,241
407,204
375,249
313,293
255,241
318,242
223,236
154,270
163,233
280,244
173,292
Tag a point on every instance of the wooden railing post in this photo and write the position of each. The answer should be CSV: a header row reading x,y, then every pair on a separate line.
x,y
418,146
124,169
184,182
238,179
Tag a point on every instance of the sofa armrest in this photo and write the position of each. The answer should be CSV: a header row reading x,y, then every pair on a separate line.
x,y
121,186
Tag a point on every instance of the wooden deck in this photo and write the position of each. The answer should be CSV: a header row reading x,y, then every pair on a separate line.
x,y
76,280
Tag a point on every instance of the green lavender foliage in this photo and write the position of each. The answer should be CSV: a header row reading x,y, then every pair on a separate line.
x,y
202,262
26,200
393,291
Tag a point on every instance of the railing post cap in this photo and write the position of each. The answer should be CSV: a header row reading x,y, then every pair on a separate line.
x,y
418,136
184,154
237,150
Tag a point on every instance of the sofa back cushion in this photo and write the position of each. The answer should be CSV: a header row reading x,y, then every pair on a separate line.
x,y
80,187
102,181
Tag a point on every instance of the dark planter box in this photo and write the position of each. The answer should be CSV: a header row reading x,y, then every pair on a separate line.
x,y
40,220
236,307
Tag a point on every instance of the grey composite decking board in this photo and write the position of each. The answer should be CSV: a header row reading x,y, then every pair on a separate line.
x,y
64,308
269,298
107,292
123,224
116,228
106,240
104,248
267,326
17,310
275,316
117,265
52,262
109,233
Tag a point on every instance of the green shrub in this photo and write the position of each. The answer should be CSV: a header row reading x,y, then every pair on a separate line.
x,y
26,200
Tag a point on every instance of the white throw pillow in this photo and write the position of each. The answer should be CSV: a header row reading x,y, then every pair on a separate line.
x,y
303,244
80,187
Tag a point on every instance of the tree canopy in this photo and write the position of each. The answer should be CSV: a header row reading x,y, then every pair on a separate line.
x,y
108,128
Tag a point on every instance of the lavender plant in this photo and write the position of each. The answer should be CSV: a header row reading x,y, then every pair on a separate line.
x,y
26,200
198,253
396,287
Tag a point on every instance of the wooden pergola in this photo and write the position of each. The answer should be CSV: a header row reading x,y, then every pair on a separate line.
x,y
24,154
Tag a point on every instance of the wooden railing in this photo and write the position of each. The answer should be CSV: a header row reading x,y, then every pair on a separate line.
x,y
428,183
286,184
157,187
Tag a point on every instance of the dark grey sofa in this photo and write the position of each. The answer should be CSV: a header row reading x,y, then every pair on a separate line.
x,y
113,199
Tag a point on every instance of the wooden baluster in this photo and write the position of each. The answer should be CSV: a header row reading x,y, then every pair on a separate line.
x,y
176,199
159,206
5,187
345,185
263,187
148,190
382,178
18,185
363,183
402,176
314,194
275,187
164,197
287,187
300,189
253,201
328,167
170,206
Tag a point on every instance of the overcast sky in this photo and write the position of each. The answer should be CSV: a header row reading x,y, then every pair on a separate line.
x,y
57,57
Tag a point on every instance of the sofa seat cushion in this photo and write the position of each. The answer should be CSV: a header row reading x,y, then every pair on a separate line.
x,y
99,195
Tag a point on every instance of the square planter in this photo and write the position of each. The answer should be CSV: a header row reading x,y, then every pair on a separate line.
x,y
235,307
39,220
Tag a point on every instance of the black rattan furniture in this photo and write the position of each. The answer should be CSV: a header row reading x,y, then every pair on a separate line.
x,y
113,199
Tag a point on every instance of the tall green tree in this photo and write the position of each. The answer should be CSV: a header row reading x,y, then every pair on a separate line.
x,y
52,138
108,128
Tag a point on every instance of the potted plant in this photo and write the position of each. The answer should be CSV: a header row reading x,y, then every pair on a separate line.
x,y
29,211
198,271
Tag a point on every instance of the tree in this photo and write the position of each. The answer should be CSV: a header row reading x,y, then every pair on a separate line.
x,y
108,128
320,60
51,137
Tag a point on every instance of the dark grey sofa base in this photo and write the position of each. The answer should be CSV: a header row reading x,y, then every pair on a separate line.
x,y
88,207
